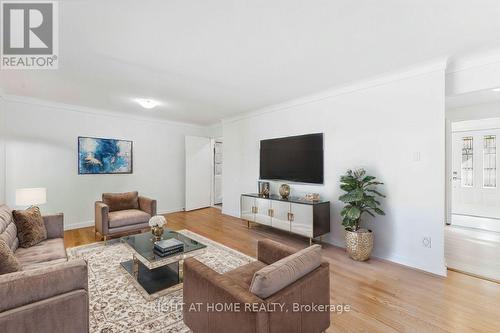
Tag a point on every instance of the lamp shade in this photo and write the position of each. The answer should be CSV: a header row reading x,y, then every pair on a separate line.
x,y
31,196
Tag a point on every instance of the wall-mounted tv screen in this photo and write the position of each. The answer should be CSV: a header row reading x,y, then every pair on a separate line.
x,y
294,158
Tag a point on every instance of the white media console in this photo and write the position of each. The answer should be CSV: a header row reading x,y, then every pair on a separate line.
x,y
299,216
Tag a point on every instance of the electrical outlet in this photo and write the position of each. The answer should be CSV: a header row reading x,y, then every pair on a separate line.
x,y
427,242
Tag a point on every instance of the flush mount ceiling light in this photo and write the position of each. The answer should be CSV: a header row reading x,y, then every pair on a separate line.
x,y
147,103
496,89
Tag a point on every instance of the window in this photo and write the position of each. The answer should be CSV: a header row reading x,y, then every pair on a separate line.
x,y
490,161
467,162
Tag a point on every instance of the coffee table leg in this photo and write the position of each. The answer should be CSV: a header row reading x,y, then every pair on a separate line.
x,y
135,266
181,270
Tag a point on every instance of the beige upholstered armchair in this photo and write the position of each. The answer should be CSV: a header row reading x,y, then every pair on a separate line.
x,y
245,311
120,213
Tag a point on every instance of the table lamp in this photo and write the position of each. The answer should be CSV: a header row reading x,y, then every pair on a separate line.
x,y
31,196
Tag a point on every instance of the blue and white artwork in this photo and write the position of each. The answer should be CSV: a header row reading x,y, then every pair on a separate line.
x,y
103,156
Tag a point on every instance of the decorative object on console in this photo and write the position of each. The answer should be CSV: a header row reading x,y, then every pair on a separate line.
x,y
361,197
284,191
157,223
312,197
104,156
264,189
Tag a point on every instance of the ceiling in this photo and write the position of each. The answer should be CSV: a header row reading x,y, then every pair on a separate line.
x,y
207,60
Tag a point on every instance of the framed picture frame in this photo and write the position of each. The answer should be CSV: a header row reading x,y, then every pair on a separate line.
x,y
104,156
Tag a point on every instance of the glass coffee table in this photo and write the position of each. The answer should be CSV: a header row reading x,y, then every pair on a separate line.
x,y
152,272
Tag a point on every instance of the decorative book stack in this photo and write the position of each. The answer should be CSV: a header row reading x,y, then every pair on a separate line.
x,y
168,247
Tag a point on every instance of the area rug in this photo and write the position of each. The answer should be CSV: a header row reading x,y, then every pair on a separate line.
x,y
116,304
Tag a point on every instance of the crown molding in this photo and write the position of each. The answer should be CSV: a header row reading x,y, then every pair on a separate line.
x,y
380,80
463,63
92,111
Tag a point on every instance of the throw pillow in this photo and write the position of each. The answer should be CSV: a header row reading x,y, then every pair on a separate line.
x,y
280,274
8,262
121,201
30,227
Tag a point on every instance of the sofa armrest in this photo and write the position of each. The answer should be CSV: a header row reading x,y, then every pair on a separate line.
x,y
269,251
147,205
26,287
101,217
204,287
54,225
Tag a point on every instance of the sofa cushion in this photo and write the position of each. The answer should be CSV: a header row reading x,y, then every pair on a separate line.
x,y
243,275
284,272
127,217
44,252
8,229
121,201
8,262
30,226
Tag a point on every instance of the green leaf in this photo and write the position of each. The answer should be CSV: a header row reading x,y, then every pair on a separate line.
x,y
353,213
379,211
347,187
368,178
376,192
353,196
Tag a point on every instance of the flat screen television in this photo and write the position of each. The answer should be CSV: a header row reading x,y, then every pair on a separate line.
x,y
294,158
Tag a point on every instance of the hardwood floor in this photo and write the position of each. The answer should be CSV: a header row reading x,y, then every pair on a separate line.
x,y
384,297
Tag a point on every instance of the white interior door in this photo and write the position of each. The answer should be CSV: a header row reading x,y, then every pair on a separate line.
x,y
198,172
475,193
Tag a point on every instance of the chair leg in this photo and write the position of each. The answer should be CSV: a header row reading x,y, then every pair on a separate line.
x,y
105,239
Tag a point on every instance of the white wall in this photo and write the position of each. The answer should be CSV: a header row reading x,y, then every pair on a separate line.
x,y
41,151
474,112
381,126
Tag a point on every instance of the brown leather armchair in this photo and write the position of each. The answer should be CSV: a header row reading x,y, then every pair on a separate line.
x,y
120,213
204,289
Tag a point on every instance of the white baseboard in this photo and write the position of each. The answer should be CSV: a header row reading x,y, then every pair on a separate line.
x,y
85,224
78,225
170,210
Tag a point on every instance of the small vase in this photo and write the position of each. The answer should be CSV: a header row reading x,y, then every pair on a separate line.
x,y
284,191
157,232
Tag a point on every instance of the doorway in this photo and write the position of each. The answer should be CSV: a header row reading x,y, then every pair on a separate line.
x,y
472,231
217,173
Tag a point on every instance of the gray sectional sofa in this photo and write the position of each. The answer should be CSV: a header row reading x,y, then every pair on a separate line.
x,y
50,293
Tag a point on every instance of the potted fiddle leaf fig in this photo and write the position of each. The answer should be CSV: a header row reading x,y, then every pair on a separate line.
x,y
361,197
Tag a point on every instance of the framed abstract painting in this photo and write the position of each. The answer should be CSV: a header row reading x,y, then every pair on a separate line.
x,y
104,156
